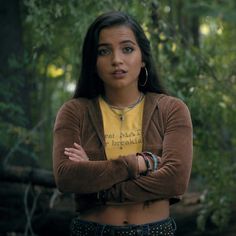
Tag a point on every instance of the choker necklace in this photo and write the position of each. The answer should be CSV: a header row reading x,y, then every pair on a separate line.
x,y
123,110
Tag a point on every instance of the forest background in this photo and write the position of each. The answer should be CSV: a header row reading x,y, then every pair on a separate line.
x,y
194,47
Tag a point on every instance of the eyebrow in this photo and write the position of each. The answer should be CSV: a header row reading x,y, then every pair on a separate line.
x,y
122,42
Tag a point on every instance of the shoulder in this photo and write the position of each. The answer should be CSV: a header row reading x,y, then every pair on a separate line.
x,y
171,103
72,110
165,102
75,105
76,102
169,107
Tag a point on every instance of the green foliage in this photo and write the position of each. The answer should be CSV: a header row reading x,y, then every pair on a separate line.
x,y
16,139
212,109
204,77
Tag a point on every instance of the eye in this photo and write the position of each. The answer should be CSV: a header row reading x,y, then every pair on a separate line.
x,y
103,51
127,49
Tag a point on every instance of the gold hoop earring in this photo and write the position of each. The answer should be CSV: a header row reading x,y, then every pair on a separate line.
x,y
146,77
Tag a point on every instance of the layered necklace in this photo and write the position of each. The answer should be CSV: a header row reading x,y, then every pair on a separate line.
x,y
121,111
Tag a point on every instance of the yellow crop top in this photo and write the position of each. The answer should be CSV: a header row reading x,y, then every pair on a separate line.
x,y
122,129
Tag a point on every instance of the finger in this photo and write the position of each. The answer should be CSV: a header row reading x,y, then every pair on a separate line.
x,y
70,149
80,152
77,145
67,153
73,150
72,154
79,155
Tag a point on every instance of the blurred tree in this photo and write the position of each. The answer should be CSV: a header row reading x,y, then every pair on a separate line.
x,y
15,102
200,69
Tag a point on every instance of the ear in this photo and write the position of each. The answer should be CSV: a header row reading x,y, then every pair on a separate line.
x,y
143,64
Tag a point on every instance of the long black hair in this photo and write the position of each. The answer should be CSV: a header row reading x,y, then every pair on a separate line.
x,y
89,85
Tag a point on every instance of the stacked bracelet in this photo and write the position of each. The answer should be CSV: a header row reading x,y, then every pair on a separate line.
x,y
154,158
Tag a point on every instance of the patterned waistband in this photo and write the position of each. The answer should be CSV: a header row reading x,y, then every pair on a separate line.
x,y
165,227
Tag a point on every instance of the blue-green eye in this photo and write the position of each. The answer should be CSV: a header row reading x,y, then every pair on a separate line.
x,y
128,49
103,51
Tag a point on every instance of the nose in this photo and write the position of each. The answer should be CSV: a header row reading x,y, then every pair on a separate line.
x,y
116,58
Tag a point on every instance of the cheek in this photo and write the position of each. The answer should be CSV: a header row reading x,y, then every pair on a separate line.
x,y
136,61
137,65
137,69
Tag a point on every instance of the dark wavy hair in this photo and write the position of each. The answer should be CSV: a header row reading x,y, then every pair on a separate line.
x,y
89,85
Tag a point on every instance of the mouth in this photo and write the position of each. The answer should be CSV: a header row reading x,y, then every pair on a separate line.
x,y
119,73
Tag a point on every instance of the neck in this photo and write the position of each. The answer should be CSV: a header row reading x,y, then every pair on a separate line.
x,y
122,99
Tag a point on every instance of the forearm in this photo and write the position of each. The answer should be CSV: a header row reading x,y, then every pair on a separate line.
x,y
104,173
170,180
162,184
93,176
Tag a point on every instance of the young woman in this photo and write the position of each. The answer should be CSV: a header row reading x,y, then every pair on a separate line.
x,y
121,144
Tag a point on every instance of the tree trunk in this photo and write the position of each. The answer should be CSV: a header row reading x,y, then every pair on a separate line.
x,y
10,31
195,30
27,175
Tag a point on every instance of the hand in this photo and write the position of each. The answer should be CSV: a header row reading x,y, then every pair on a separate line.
x,y
76,153
141,165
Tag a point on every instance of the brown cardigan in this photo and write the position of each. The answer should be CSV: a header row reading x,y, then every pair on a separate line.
x,y
167,132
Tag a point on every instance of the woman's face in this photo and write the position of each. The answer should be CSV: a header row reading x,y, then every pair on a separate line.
x,y
119,58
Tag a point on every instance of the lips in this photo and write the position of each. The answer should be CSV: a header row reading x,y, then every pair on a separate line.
x,y
119,73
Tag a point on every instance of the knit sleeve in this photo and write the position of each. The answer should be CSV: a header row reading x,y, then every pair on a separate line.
x,y
84,176
172,177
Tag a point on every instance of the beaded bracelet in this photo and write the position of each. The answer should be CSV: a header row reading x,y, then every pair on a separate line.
x,y
154,158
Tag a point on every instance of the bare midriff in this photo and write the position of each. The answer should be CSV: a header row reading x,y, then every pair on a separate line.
x,y
138,213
